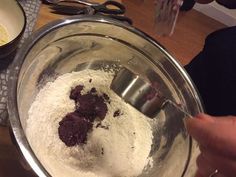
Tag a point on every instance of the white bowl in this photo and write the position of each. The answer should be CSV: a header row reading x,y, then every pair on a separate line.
x,y
13,20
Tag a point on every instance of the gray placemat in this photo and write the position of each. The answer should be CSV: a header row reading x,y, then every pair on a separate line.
x,y
31,8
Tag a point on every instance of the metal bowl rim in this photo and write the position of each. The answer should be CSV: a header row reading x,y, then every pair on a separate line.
x,y
15,123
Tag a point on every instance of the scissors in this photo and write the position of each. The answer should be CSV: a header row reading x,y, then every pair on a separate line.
x,y
93,8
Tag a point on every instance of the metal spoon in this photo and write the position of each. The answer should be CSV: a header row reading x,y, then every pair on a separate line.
x,y
141,95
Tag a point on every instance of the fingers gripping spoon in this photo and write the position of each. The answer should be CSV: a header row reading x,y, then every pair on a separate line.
x,y
142,95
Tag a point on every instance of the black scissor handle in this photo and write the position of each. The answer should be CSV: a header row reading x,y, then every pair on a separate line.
x,y
104,8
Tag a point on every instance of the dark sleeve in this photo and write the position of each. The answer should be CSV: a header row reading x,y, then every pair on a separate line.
x,y
230,4
187,5
213,71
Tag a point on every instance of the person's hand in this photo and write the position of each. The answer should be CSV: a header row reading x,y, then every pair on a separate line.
x,y
217,141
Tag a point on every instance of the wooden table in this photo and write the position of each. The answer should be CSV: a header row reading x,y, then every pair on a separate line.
x,y
188,39
191,29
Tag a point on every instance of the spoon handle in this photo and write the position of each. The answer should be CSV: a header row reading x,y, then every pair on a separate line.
x,y
177,107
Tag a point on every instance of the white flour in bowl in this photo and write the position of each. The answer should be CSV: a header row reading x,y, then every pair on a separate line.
x,y
122,150
3,35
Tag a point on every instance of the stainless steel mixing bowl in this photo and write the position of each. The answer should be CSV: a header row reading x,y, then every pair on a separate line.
x,y
96,42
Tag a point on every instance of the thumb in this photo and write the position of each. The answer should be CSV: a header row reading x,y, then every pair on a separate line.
x,y
217,134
